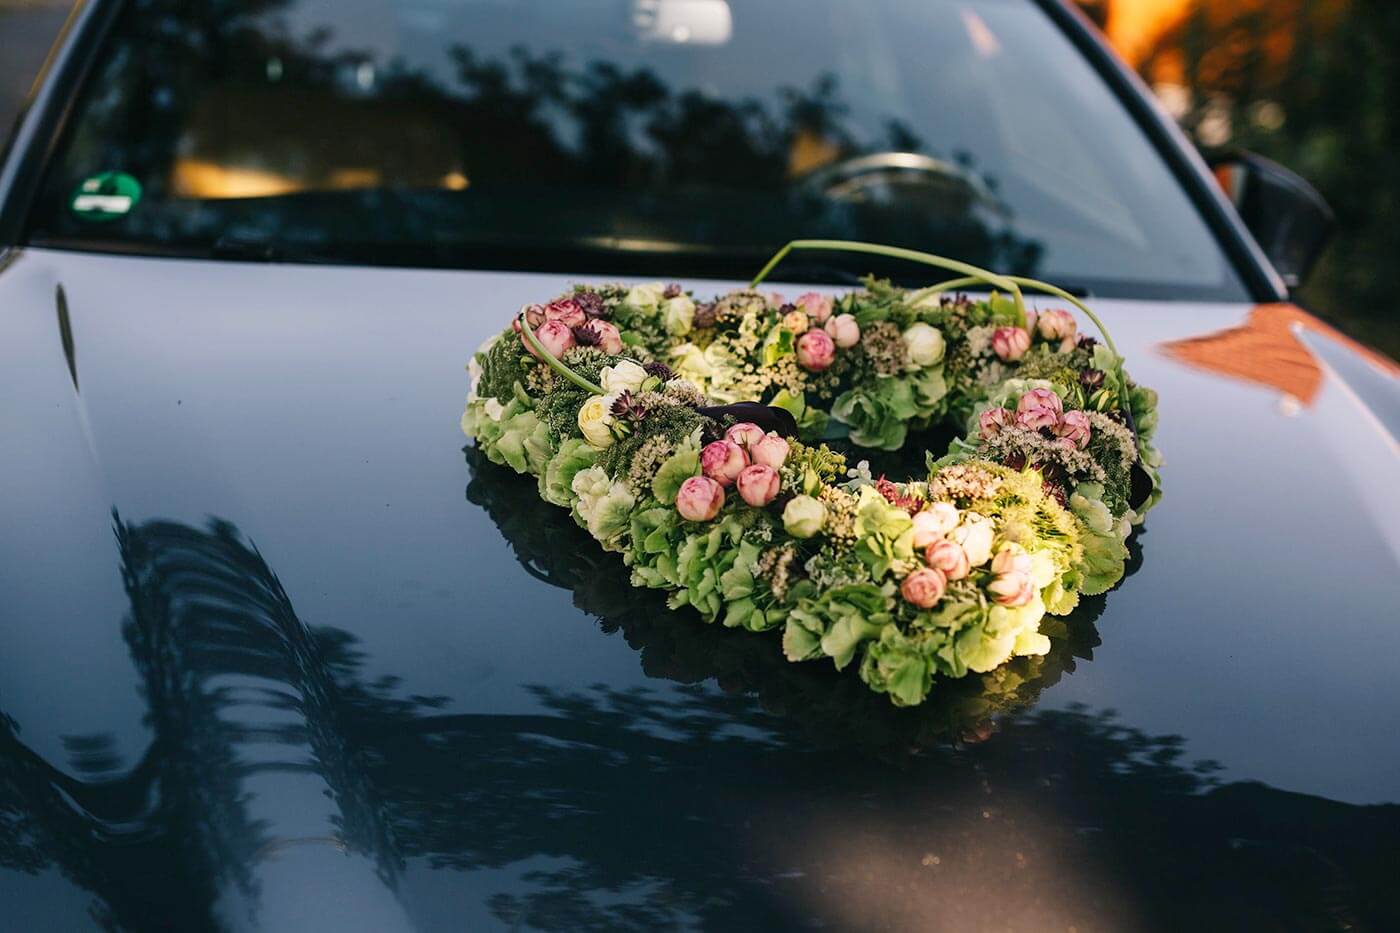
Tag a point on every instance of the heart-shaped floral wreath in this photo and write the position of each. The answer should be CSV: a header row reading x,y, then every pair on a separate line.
x,y
688,438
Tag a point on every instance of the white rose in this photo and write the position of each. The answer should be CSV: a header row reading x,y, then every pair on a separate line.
x,y
595,420
590,486
474,374
924,343
1043,570
625,376
975,535
645,297
678,315
689,360
803,516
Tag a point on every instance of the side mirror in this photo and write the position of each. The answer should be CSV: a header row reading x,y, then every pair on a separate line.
x,y
1289,219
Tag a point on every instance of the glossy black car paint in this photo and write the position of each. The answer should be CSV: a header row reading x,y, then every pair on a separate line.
x,y
279,654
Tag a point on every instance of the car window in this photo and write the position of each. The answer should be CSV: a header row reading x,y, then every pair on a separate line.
x,y
699,134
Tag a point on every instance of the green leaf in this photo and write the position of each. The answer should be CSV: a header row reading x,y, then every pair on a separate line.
x,y
557,478
800,642
678,468
842,639
811,420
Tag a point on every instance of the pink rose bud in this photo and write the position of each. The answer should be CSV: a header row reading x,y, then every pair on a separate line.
x,y
555,336
565,311
1056,325
744,433
815,350
609,339
1011,559
817,306
1039,398
758,484
1033,419
699,499
1012,589
1010,343
796,321
771,450
1038,408
1031,317
948,557
534,315
1074,427
934,522
722,461
844,330
991,421
924,587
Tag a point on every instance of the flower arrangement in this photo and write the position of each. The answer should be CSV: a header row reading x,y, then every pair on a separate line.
x,y
689,438
825,714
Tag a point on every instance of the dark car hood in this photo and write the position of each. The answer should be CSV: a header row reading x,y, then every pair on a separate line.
x,y
277,653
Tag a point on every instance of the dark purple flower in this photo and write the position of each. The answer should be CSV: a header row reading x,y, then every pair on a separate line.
x,y
591,303
626,408
659,369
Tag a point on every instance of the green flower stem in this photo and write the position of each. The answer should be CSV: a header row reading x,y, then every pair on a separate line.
x,y
1061,293
553,361
1107,339
894,252
921,294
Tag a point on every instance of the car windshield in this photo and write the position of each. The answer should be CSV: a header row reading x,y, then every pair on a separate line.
x,y
618,135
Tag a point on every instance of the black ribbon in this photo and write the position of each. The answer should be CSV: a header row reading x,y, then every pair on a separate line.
x,y
767,417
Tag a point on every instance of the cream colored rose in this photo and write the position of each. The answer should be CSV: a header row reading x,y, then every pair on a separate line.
x,y
595,420
625,376
975,535
690,360
924,344
803,516
645,297
678,315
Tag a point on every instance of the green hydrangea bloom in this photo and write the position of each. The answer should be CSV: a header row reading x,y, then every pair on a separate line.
x,y
901,664
836,622
557,478
657,533
510,434
604,507
878,413
679,467
1105,555
704,557
884,533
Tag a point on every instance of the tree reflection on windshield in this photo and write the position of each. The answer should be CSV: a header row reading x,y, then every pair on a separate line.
x,y
781,799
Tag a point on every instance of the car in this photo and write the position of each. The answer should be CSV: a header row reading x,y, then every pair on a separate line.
x,y
277,652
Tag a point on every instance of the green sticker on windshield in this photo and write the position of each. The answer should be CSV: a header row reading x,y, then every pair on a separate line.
x,y
106,196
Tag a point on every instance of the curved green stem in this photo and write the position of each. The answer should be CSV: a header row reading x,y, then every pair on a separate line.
x,y
553,361
1061,293
895,252
1107,338
921,294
